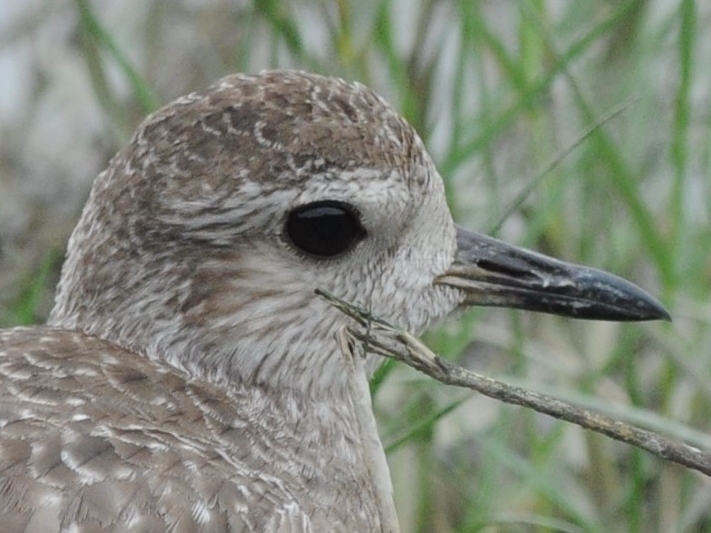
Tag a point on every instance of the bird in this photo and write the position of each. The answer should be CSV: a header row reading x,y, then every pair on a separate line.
x,y
188,378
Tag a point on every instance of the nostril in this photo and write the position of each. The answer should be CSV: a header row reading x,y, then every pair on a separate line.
x,y
507,266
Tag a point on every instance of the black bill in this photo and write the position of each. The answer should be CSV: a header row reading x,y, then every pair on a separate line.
x,y
493,273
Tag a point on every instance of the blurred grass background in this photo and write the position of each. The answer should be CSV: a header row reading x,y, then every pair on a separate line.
x,y
581,129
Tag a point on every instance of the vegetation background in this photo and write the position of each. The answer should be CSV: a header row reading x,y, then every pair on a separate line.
x,y
581,129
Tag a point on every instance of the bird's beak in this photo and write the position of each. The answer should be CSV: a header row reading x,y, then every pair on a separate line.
x,y
493,273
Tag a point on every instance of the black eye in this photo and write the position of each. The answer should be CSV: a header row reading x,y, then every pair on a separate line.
x,y
323,229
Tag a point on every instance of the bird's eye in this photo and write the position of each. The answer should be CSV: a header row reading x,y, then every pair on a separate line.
x,y
324,229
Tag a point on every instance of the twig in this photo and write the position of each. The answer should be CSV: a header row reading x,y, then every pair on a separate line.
x,y
389,341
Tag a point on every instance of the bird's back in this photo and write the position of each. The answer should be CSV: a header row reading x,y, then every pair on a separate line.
x,y
96,438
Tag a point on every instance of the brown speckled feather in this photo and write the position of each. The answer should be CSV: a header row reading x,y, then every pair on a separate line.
x,y
95,438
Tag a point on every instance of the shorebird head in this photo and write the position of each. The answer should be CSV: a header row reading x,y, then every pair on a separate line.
x,y
202,243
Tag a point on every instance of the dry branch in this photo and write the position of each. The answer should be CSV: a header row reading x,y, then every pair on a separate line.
x,y
381,338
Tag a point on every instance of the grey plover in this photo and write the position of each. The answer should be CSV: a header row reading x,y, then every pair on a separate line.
x,y
188,379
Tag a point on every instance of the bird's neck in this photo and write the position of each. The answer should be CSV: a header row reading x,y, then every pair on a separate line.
x,y
317,450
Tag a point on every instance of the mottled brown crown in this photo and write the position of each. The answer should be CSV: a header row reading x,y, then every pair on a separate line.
x,y
275,125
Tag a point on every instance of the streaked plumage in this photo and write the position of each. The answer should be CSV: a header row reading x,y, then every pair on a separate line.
x,y
188,379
